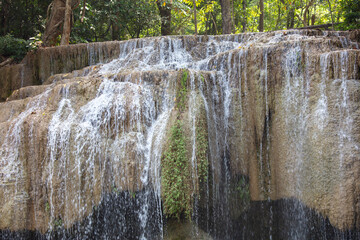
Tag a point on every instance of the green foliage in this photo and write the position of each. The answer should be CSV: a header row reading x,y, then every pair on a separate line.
x,y
175,177
181,95
47,207
240,194
115,189
202,150
58,223
35,42
115,20
351,10
23,18
124,19
13,47
242,190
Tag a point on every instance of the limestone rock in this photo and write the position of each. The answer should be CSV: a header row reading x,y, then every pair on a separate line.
x,y
280,110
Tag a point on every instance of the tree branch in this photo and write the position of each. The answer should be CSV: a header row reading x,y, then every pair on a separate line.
x,y
318,26
6,62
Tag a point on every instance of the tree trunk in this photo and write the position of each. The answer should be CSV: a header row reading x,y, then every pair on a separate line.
x,y
290,21
307,13
313,18
226,16
196,31
115,33
261,20
165,14
244,20
4,17
207,16
215,29
278,17
331,14
55,20
233,25
65,37
6,62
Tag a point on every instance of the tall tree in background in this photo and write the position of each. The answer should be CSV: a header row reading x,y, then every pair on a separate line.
x,y
124,19
243,22
22,18
65,36
55,21
261,19
351,10
4,16
226,16
165,14
195,20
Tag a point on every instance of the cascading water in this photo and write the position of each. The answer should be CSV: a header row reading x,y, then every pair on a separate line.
x,y
270,119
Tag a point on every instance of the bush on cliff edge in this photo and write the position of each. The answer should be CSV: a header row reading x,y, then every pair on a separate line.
x,y
15,48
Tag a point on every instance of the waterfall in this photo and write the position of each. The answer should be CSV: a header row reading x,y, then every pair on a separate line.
x,y
271,138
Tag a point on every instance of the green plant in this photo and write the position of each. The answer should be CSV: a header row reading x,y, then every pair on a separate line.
x,y
115,189
35,42
182,91
175,180
351,9
47,207
13,47
58,223
202,149
242,189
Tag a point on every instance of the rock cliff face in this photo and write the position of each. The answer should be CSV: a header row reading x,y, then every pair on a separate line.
x,y
45,62
267,117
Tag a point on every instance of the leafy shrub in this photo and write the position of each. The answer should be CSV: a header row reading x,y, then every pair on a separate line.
x,y
351,9
13,47
175,176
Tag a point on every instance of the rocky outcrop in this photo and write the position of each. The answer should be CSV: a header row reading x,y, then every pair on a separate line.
x,y
280,112
37,66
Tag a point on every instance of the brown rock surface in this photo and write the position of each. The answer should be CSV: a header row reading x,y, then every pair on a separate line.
x,y
283,107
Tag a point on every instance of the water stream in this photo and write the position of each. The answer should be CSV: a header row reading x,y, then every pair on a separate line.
x,y
280,123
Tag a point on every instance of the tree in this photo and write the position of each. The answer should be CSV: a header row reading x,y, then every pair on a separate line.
x,y
261,18
22,18
57,23
226,16
243,22
165,14
4,16
65,37
351,10
194,3
116,20
331,13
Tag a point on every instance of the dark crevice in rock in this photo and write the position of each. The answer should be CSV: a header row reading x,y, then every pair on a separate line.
x,y
116,217
279,219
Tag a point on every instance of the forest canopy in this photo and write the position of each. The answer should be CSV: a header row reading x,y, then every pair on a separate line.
x,y
54,22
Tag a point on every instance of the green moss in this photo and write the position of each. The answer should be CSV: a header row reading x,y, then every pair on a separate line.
x,y
47,207
202,149
115,189
175,180
58,223
242,190
240,195
181,95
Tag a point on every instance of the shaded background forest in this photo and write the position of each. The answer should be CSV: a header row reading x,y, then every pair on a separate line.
x,y
23,23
